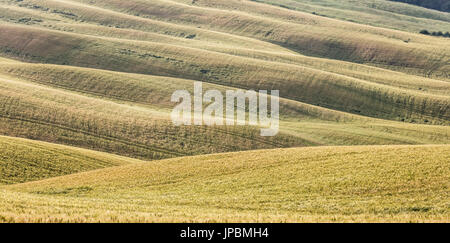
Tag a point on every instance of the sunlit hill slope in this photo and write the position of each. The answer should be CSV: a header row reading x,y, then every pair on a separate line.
x,y
85,104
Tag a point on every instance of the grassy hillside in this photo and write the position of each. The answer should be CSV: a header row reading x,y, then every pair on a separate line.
x,y
304,33
116,36
441,5
129,115
315,91
53,115
382,13
351,184
90,81
297,82
366,133
24,160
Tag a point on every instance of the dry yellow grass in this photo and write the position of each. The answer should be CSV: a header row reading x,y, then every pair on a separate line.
x,y
38,112
128,115
381,13
298,83
327,184
103,72
306,33
24,160
117,35
237,48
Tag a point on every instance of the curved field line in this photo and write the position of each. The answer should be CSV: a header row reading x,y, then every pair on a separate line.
x,y
110,138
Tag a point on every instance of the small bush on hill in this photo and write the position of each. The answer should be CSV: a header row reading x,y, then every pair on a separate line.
x,y
435,33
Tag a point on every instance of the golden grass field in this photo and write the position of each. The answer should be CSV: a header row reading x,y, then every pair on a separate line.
x,y
86,133
27,160
323,184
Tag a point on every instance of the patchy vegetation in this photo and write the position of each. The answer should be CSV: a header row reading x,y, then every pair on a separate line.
x,y
434,33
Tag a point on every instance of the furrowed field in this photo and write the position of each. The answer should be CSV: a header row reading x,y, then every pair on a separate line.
x,y
85,102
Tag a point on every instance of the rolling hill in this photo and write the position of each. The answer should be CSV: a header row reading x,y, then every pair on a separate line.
x,y
326,184
85,102
24,160
441,5
303,33
381,13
